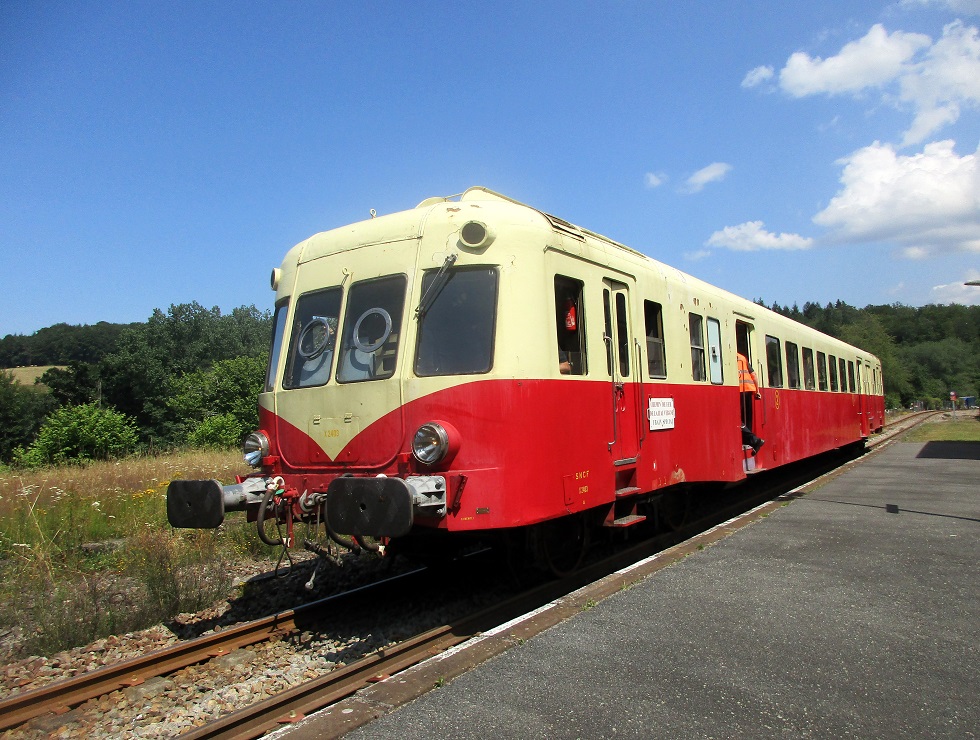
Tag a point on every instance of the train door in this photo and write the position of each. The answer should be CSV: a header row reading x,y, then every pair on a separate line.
x,y
862,389
747,400
618,338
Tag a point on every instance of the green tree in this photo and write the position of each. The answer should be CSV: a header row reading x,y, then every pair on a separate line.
x,y
22,411
227,391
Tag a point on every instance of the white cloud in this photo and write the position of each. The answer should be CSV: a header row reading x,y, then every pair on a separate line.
x,y
959,292
875,60
714,172
654,179
927,203
935,80
946,79
757,76
698,255
751,237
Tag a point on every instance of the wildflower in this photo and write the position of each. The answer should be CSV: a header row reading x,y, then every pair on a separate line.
x,y
96,504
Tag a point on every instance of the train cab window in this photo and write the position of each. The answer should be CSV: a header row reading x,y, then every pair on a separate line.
x,y
654,326
850,376
698,370
774,363
372,327
822,371
809,381
570,321
278,334
792,365
313,339
456,329
833,373
843,374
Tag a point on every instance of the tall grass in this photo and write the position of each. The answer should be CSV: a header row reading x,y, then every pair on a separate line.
x,y
86,551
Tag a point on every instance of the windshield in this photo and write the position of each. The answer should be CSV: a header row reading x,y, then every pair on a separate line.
x,y
314,336
456,331
372,327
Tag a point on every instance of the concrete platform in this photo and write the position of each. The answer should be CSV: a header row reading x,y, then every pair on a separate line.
x,y
853,611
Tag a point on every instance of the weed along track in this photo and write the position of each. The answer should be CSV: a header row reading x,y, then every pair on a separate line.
x,y
249,678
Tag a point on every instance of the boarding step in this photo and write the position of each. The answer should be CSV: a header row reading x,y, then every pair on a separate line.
x,y
627,491
626,521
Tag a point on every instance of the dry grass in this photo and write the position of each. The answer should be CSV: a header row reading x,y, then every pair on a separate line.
x,y
27,375
964,428
64,595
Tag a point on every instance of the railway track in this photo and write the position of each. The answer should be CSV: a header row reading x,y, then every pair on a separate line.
x,y
295,703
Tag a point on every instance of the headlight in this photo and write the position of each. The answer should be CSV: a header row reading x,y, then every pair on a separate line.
x,y
255,447
431,443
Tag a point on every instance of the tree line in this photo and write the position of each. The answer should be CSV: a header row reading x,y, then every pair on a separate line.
x,y
926,352
187,376
190,376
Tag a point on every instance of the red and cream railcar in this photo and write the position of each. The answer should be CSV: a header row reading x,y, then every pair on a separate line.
x,y
475,364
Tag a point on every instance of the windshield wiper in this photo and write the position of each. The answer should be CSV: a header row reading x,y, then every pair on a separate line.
x,y
435,287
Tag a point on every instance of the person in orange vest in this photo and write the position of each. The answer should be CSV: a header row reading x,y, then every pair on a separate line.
x,y
749,392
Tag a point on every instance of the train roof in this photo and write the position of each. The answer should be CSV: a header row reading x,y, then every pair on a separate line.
x,y
410,224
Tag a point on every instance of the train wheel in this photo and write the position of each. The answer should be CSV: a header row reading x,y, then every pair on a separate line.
x,y
563,543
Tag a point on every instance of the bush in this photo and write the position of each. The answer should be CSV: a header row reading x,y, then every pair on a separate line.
x,y
221,431
80,433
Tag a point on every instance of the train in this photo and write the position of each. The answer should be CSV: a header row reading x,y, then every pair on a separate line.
x,y
477,369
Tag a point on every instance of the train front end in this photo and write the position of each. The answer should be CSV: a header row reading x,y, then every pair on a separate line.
x,y
387,396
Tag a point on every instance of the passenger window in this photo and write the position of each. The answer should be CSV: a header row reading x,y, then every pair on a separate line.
x,y
850,376
822,370
859,385
833,373
570,320
372,326
456,329
656,356
313,339
773,362
697,347
809,381
792,365
843,375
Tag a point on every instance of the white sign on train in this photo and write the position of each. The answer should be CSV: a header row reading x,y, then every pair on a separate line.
x,y
661,413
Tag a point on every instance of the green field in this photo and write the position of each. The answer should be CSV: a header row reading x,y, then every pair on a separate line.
x,y
961,429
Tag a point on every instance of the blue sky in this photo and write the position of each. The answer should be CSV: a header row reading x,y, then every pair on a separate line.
x,y
157,153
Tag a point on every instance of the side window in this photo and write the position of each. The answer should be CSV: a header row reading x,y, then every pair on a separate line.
x,y
850,376
697,347
833,373
843,374
622,329
372,327
313,339
654,325
859,386
607,329
822,370
809,382
570,320
773,362
278,334
792,365
456,329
